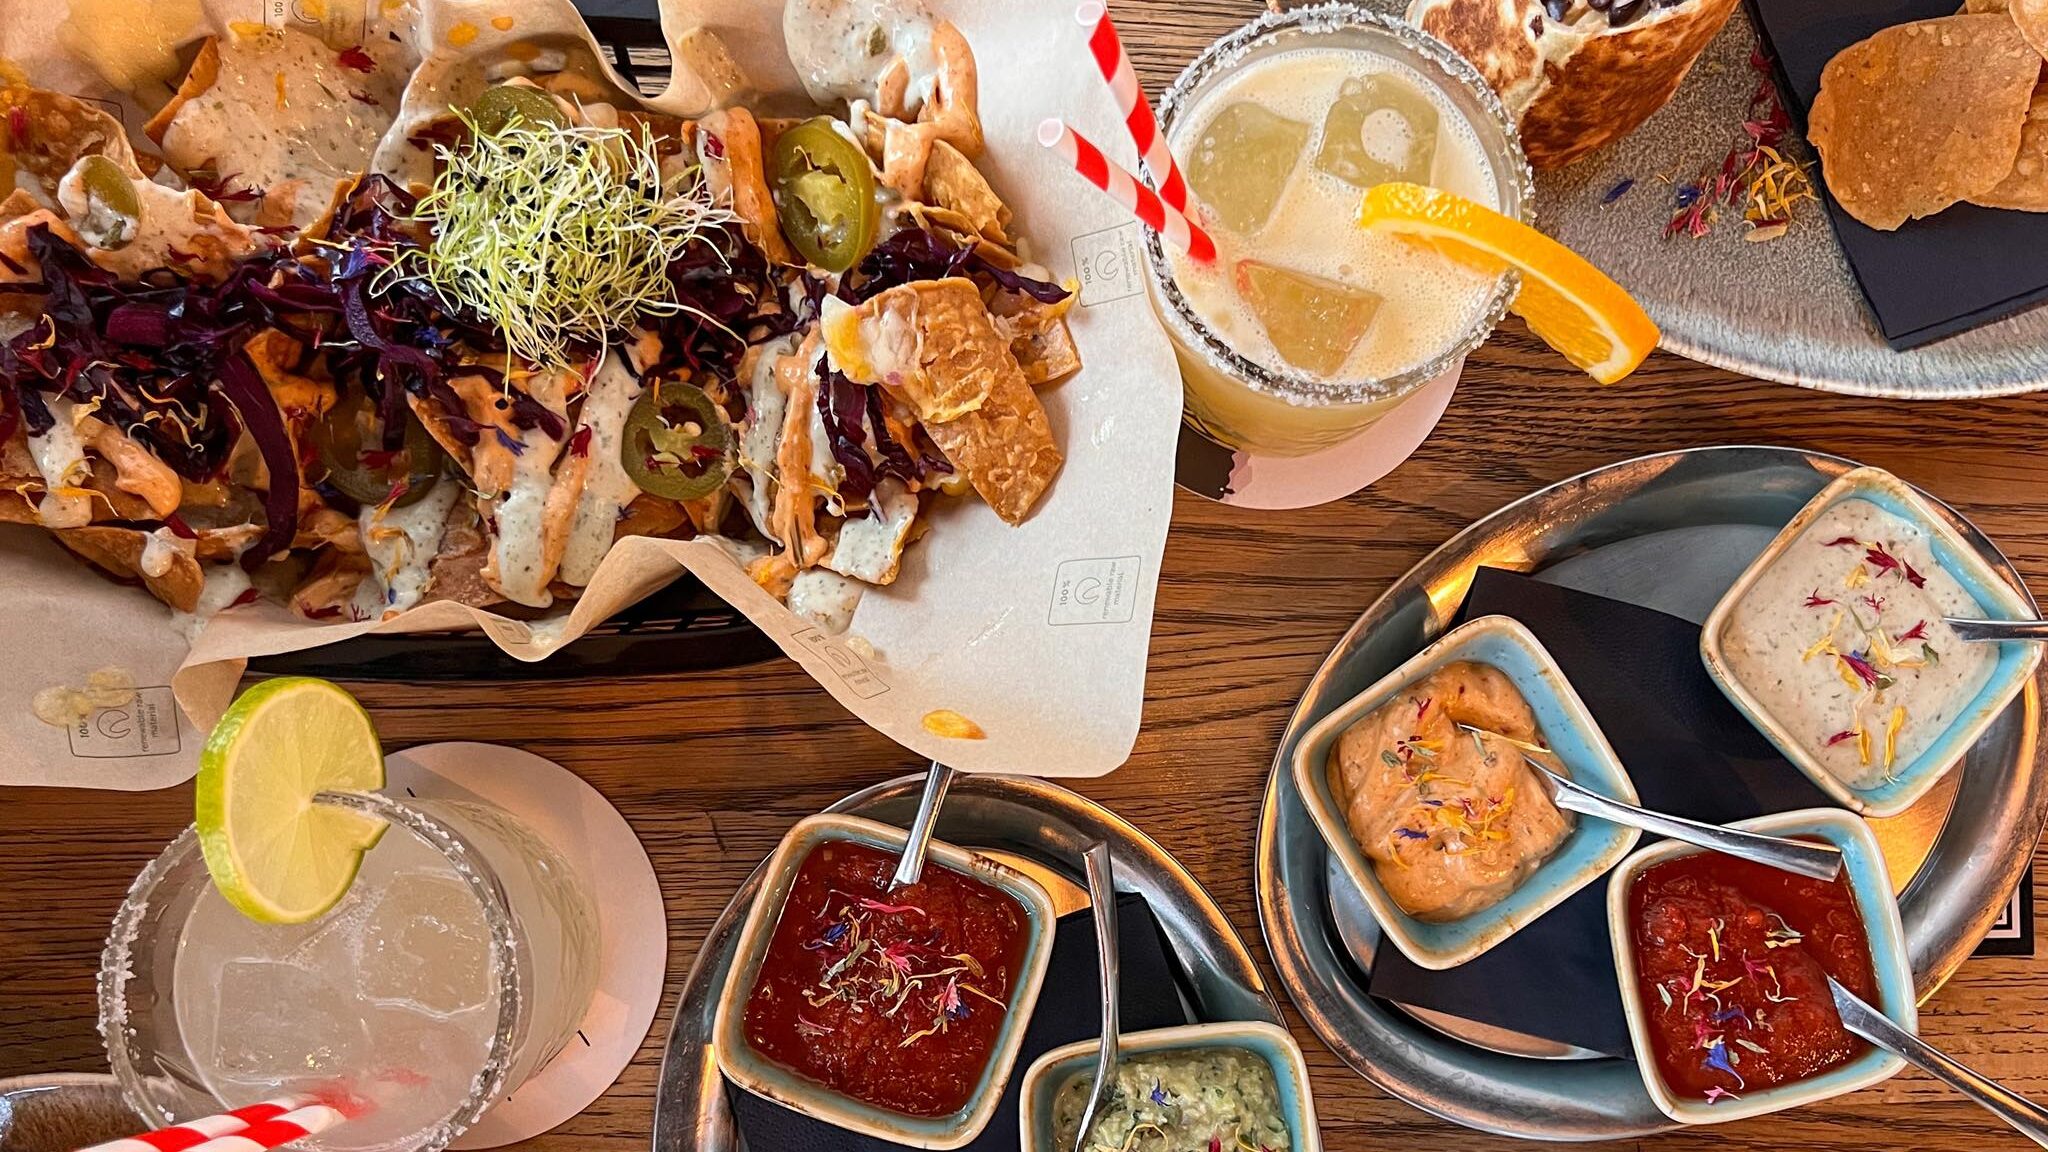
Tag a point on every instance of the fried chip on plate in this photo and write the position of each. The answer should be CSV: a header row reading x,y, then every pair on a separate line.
x,y
1038,335
2026,187
1978,7
57,132
1923,115
2032,18
951,181
120,552
933,344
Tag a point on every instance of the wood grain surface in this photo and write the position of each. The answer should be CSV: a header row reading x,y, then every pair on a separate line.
x,y
712,768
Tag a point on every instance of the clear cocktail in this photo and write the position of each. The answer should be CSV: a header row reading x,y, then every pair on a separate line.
x,y
1306,329
460,962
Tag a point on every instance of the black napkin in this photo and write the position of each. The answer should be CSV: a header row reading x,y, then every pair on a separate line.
x,y
1069,1009
1689,752
1948,273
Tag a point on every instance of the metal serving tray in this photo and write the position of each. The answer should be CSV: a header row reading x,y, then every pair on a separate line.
x,y
1040,827
1669,532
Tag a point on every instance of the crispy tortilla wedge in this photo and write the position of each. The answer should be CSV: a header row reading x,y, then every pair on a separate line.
x,y
58,132
933,344
119,552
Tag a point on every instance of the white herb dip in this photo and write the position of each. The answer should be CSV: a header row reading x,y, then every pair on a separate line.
x,y
1841,640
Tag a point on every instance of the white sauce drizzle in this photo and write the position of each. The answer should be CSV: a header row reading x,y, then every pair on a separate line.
x,y
761,436
402,544
607,487
224,585
161,550
824,599
287,109
842,48
60,457
521,514
869,546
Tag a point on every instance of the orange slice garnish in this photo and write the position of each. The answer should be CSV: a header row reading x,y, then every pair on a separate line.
x,y
1572,305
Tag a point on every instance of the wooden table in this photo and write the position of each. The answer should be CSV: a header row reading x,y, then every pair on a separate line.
x,y
712,768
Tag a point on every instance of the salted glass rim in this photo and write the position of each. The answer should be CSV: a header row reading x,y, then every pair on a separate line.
x,y
117,969
1512,175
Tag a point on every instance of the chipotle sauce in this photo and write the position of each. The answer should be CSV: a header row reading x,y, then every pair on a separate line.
x,y
895,999
1732,961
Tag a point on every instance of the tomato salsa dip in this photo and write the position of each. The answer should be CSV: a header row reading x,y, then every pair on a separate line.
x,y
1436,791
896,999
1732,961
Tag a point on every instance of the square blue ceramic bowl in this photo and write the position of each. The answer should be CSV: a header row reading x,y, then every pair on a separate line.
x,y
771,1081
1870,881
1995,598
1593,847
1298,1108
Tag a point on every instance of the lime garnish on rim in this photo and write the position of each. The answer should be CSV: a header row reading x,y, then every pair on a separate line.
x,y
274,852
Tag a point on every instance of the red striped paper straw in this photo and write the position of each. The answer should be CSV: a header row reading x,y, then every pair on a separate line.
x,y
1175,228
255,1128
1108,50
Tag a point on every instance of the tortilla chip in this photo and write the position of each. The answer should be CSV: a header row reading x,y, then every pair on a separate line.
x,y
952,181
1979,7
118,552
2032,18
277,357
199,79
1923,115
328,592
649,516
457,571
18,203
1038,335
60,131
957,371
2025,188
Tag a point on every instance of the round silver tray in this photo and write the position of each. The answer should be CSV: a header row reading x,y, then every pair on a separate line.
x,y
1040,827
1669,532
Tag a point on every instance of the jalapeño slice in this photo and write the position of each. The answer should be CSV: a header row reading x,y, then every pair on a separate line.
x,y
499,107
677,445
351,446
824,194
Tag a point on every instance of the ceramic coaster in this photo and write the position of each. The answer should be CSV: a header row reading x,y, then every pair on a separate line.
x,y
632,923
1249,480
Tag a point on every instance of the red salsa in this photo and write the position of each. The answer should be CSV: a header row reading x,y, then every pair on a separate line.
x,y
1732,961
893,998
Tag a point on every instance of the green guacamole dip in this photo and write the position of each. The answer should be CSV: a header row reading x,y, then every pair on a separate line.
x,y
1190,1100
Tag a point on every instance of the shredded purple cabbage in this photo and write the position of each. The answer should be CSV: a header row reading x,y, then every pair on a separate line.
x,y
244,388
841,404
921,254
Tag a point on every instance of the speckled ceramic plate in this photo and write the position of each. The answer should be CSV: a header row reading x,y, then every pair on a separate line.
x,y
1787,310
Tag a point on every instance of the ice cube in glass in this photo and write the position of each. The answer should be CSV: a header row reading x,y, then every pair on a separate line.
x,y
279,1022
426,947
1242,162
1382,129
1313,323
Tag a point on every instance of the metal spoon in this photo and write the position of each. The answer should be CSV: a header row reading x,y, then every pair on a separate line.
x,y
1102,896
1860,1018
911,866
1820,861
1999,629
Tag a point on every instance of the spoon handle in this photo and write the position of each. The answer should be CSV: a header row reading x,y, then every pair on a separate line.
x,y
1102,899
2029,1118
911,866
1999,629
1820,861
